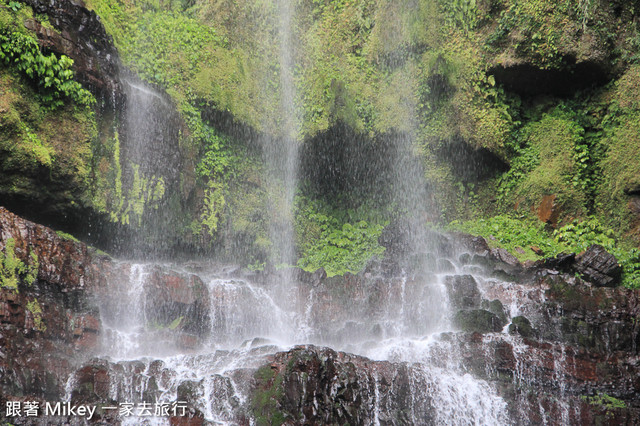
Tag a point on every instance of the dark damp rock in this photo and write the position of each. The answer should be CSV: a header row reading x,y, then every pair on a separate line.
x,y
189,391
463,291
478,320
193,417
464,258
181,300
562,262
521,325
82,37
497,308
482,260
312,278
473,244
443,243
504,256
92,383
530,80
599,266
310,385
444,265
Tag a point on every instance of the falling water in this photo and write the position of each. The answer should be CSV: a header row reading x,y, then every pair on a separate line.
x,y
210,335
147,161
281,152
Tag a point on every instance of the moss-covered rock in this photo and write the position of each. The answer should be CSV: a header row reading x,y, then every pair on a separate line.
x,y
620,185
47,155
478,321
521,326
548,166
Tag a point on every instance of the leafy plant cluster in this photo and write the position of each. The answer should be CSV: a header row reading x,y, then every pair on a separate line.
x,y
330,240
519,235
217,159
218,165
13,270
461,13
605,401
536,29
52,74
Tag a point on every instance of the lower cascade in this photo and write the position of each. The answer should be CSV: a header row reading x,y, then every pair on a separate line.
x,y
295,197
205,343
194,334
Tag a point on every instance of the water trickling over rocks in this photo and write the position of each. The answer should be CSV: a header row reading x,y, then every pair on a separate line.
x,y
219,340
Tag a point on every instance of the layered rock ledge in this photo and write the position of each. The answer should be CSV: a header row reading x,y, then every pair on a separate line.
x,y
556,348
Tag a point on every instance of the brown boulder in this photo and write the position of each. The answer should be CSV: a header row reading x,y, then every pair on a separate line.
x,y
548,210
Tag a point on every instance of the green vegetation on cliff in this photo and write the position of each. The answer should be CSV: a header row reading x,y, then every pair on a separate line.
x,y
335,240
46,120
14,271
516,107
528,240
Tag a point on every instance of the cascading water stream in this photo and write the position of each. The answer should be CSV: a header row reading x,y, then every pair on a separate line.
x,y
245,322
281,152
211,334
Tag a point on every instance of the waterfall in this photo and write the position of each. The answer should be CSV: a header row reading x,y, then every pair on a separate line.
x,y
281,152
173,333
142,194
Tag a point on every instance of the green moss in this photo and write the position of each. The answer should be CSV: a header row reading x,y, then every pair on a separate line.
x,y
213,207
36,310
547,165
265,401
124,201
46,154
605,401
620,170
67,236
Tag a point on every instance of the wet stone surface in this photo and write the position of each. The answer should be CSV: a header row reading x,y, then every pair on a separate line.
x,y
565,346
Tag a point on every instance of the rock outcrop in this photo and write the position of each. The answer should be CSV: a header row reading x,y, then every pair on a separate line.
x,y
43,324
81,36
599,266
558,350
310,385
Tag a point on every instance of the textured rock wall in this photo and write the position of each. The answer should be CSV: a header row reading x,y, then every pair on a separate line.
x,y
38,349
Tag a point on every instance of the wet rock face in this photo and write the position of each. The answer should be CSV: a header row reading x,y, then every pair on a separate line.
x,y
599,266
177,297
43,324
478,321
81,37
576,349
568,356
310,385
463,291
47,327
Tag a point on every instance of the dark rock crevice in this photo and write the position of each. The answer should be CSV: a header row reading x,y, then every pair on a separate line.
x,y
528,80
